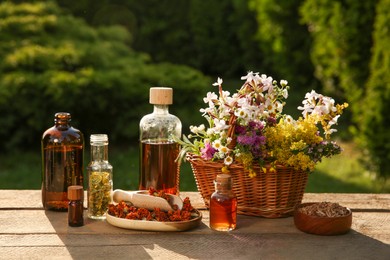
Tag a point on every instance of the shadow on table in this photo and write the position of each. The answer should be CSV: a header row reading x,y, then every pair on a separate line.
x,y
253,239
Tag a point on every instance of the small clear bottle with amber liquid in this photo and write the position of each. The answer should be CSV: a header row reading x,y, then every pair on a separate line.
x,y
62,162
158,150
223,205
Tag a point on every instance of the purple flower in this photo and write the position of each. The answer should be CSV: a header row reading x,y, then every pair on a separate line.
x,y
258,126
207,152
240,130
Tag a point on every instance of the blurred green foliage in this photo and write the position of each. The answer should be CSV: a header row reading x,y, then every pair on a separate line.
x,y
101,72
51,62
216,37
374,131
352,59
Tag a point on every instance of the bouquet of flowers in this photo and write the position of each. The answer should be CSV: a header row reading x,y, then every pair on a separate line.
x,y
249,127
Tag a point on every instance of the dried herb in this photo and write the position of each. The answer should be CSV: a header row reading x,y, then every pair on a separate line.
x,y
325,209
99,195
124,210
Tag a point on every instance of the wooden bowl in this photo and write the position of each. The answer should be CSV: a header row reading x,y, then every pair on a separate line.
x,y
326,226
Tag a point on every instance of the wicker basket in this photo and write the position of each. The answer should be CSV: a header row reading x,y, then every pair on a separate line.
x,y
270,195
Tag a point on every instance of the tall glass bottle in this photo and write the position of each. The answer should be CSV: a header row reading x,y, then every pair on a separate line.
x,y
158,150
100,184
223,205
62,149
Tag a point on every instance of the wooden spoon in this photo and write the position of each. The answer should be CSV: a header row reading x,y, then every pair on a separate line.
x,y
142,199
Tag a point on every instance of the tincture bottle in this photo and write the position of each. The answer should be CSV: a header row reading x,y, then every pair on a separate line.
x,y
100,184
223,205
76,206
159,168
62,149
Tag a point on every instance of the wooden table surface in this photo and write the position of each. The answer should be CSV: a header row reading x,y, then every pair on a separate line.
x,y
27,231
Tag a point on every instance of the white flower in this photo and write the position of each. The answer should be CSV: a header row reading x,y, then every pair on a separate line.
x,y
267,82
197,129
285,93
211,96
283,83
219,82
216,144
251,77
220,125
223,149
228,160
241,113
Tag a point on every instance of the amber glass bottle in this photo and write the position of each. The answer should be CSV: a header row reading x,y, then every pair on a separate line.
x,y
62,162
76,206
158,150
223,205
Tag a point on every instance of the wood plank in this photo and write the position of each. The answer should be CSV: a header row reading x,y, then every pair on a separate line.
x,y
356,202
369,202
196,246
375,225
23,199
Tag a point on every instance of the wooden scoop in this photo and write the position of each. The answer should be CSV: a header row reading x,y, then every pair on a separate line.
x,y
142,199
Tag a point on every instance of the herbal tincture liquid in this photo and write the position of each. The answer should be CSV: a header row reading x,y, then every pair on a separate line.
x,y
223,205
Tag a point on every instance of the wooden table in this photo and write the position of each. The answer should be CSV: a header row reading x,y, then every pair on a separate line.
x,y
27,231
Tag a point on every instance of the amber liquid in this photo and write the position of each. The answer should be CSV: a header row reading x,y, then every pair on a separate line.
x,y
223,212
62,167
158,168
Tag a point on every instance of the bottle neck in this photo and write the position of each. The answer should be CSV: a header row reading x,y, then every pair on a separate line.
x,y
99,152
161,109
62,124
222,187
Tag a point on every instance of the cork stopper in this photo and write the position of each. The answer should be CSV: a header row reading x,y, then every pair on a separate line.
x,y
160,96
224,180
75,192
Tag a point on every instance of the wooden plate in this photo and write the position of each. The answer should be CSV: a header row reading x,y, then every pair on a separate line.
x,y
154,225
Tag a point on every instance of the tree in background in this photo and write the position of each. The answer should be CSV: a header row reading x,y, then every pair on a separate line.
x,y
350,50
285,42
216,37
51,62
375,117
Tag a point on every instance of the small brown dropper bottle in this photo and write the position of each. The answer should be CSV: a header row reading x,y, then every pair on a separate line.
x,y
76,208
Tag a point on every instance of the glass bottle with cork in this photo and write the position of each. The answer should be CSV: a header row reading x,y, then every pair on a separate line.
x,y
158,150
62,148
223,205
76,206
100,183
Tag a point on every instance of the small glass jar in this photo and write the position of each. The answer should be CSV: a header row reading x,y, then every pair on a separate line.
x,y
100,184
223,205
76,206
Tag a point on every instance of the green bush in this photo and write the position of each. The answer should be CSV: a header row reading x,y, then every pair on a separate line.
x,y
216,37
51,61
352,58
375,117
285,41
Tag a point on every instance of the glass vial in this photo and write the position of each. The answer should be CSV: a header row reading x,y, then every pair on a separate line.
x,y
76,208
62,148
223,205
100,184
158,150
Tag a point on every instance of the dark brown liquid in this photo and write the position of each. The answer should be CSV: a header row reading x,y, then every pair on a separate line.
x,y
158,168
62,166
223,212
